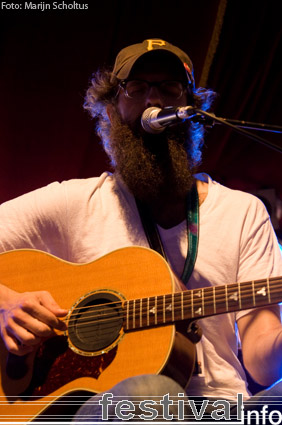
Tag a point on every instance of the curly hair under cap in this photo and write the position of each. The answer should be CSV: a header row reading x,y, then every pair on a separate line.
x,y
103,91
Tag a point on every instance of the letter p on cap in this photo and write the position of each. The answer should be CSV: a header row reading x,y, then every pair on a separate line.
x,y
156,42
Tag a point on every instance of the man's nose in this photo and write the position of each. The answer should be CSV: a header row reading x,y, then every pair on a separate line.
x,y
154,98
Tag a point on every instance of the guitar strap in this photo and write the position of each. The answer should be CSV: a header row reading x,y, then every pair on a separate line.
x,y
192,219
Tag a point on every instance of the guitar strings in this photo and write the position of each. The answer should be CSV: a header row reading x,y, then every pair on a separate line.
x,y
103,316
187,293
109,326
87,331
101,308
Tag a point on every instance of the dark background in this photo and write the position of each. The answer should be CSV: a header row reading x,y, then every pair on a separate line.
x,y
47,58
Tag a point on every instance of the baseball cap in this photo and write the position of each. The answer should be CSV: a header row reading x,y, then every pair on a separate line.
x,y
127,57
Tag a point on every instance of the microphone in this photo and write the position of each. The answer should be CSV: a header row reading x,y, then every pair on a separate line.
x,y
154,120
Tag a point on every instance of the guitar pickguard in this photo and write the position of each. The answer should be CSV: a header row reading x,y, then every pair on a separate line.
x,y
55,365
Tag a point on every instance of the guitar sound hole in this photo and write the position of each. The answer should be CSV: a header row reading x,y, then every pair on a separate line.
x,y
95,322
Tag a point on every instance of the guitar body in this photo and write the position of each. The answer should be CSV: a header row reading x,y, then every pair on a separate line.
x,y
68,364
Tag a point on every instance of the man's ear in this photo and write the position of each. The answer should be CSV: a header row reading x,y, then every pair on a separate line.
x,y
110,111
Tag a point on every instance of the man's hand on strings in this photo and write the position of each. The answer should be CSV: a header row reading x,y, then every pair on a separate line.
x,y
26,318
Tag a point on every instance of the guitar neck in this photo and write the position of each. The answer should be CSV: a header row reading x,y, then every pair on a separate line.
x,y
198,303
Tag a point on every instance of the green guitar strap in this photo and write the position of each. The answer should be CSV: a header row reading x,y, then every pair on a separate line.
x,y
192,219
192,233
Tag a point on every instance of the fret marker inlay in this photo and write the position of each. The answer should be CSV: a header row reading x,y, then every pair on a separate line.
x,y
262,292
234,296
153,310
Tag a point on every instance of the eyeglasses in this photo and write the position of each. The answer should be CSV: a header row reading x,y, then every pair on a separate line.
x,y
139,89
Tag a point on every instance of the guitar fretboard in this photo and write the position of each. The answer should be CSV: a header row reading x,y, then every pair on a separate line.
x,y
198,303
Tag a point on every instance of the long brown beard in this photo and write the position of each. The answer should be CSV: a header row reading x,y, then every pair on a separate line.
x,y
154,167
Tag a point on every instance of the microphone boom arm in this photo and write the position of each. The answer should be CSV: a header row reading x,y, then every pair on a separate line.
x,y
199,113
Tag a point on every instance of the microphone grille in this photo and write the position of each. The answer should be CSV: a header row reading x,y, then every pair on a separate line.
x,y
146,120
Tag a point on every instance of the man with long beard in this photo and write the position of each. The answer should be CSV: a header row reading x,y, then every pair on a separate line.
x,y
154,194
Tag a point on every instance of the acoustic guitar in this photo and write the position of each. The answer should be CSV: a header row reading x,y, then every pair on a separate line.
x,y
126,317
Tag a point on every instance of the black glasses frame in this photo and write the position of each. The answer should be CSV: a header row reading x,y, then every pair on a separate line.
x,y
150,84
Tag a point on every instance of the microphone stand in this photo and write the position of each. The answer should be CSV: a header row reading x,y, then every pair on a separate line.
x,y
211,119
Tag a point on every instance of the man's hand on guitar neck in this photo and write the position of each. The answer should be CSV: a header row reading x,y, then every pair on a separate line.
x,y
26,318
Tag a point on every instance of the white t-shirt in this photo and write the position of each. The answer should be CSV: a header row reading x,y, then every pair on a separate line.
x,y
81,220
